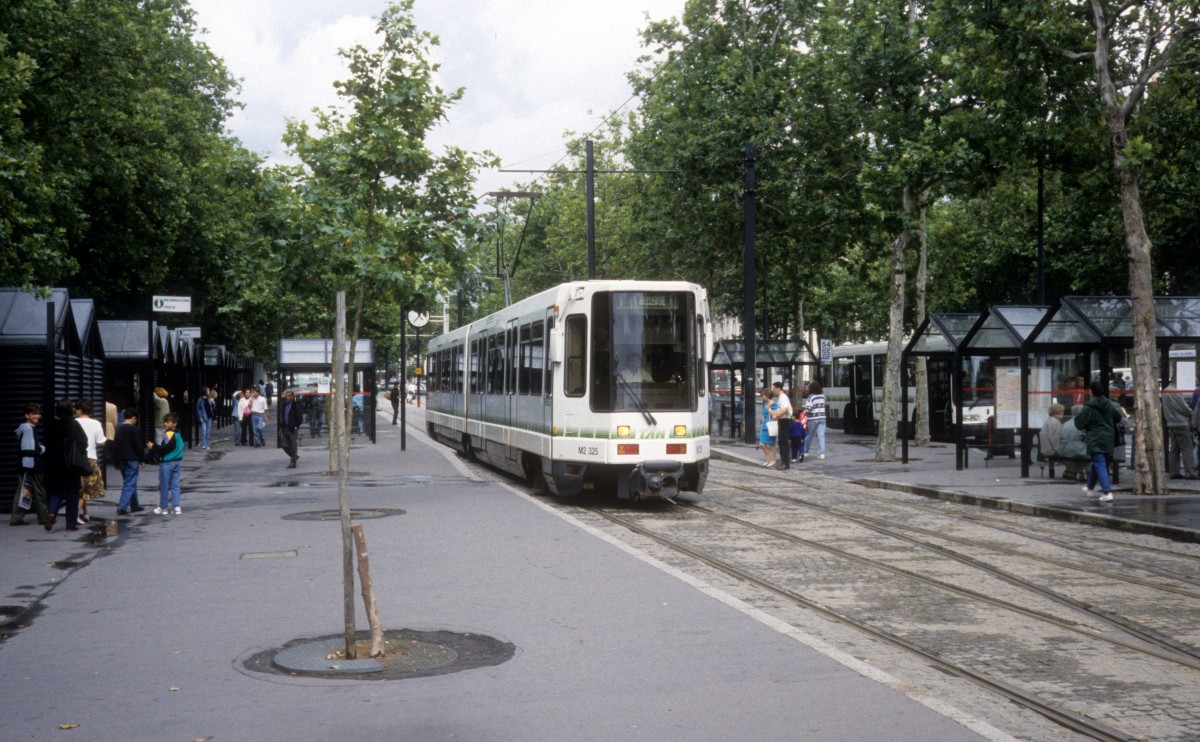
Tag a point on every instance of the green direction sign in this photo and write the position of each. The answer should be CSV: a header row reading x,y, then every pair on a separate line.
x,y
172,304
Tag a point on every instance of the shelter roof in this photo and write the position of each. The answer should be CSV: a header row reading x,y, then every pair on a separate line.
x,y
23,316
731,354
1003,328
1080,322
940,334
125,338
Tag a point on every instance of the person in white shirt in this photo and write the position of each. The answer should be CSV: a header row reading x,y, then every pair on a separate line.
x,y
93,483
258,416
782,413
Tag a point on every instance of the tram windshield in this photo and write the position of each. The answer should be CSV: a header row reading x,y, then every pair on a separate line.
x,y
641,351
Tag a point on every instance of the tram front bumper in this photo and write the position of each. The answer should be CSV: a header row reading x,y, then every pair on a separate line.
x,y
651,479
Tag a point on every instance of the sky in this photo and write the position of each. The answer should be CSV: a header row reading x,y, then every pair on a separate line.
x,y
532,69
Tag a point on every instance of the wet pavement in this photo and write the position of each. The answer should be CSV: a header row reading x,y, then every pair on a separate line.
x,y
994,483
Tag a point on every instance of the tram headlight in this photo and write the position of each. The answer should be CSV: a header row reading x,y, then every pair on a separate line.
x,y
623,431
680,431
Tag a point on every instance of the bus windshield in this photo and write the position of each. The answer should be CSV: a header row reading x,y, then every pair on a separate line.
x,y
642,351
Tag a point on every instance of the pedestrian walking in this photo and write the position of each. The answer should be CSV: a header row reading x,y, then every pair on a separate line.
x,y
1098,420
91,486
244,413
130,457
169,454
205,412
258,416
291,417
394,398
30,469
65,442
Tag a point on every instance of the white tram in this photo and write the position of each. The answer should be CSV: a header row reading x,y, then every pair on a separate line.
x,y
589,385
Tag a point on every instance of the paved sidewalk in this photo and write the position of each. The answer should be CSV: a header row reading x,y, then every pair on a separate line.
x,y
995,483
144,636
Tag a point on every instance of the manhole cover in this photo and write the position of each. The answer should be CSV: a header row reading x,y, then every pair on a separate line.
x,y
355,513
410,654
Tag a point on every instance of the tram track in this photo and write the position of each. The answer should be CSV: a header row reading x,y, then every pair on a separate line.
x,y
1055,713
889,529
1069,682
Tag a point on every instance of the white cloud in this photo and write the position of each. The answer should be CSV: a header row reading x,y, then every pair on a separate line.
x,y
532,69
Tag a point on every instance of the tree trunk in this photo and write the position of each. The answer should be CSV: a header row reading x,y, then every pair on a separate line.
x,y
1150,476
885,444
921,380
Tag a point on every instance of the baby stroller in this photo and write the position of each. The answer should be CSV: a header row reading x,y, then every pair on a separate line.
x,y
798,431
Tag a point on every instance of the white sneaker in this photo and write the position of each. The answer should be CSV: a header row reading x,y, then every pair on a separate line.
x,y
178,511
821,456
159,511
1105,497
1088,492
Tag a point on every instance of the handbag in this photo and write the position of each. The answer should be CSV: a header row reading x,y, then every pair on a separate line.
x,y
773,428
76,460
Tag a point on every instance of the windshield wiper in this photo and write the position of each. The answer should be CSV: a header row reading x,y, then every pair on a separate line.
x,y
637,400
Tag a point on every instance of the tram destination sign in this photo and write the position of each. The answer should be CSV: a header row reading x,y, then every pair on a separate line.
x,y
172,304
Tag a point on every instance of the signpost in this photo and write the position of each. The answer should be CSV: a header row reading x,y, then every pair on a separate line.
x,y
182,304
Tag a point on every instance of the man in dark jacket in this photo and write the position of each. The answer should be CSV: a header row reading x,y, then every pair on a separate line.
x,y
291,416
1098,420
130,457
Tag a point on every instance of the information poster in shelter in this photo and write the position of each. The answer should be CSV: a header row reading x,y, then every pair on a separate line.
x,y
1008,397
1040,396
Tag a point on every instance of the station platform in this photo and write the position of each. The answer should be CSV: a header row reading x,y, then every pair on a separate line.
x,y
148,633
994,483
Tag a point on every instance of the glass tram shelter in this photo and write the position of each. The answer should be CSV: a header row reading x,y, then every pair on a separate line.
x,y
1030,354
315,356
726,372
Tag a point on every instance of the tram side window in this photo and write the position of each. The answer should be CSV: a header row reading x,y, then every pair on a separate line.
x,y
495,383
473,384
574,384
536,352
510,357
878,363
459,352
548,386
523,355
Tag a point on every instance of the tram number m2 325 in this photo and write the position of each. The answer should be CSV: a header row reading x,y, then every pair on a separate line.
x,y
589,451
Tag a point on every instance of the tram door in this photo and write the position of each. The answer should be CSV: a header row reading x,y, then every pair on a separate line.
x,y
941,422
860,414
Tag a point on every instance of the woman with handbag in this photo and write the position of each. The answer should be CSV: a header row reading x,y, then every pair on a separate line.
x,y
66,462
766,438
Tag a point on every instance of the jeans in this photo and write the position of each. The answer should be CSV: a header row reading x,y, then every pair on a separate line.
x,y
129,479
1099,472
257,422
68,493
205,426
168,483
816,429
